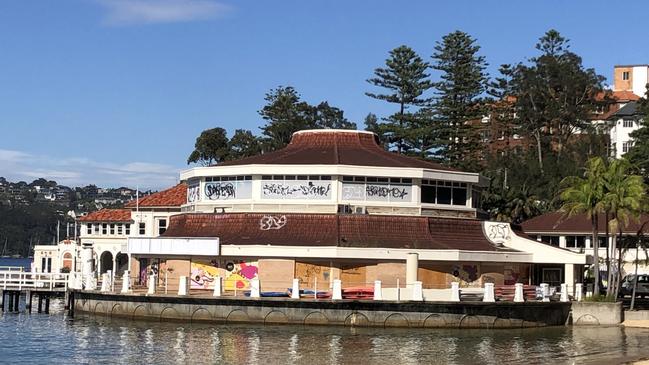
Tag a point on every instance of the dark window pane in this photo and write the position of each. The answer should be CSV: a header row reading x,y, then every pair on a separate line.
x,y
443,195
348,178
428,194
459,196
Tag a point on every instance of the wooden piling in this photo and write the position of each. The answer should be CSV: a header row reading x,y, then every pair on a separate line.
x,y
47,303
28,301
17,301
40,302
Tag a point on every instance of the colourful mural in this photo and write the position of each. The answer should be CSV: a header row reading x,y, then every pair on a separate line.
x,y
467,273
236,273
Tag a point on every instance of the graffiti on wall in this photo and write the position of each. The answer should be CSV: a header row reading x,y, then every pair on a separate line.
x,y
301,190
383,191
193,193
467,273
236,274
376,192
499,232
220,191
268,222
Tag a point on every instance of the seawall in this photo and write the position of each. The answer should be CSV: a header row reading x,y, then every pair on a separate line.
x,y
322,312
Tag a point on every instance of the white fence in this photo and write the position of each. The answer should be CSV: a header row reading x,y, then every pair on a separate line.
x,y
21,280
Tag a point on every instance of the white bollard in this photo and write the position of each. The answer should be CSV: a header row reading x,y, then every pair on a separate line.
x,y
105,284
337,290
545,290
295,293
417,291
518,293
182,285
455,291
377,290
218,287
78,281
151,284
91,283
489,295
564,292
578,292
254,288
126,282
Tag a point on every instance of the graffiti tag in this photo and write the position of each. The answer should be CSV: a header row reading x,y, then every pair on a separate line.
x,y
193,192
385,191
499,231
309,189
269,222
220,191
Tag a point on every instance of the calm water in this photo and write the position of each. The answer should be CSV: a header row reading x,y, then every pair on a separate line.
x,y
26,263
41,338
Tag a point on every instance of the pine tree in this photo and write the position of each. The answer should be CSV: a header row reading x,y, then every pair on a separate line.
x,y
456,104
405,80
638,155
285,113
243,144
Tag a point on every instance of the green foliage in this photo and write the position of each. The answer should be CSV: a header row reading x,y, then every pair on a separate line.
x,y
243,144
639,153
211,147
463,81
21,225
599,299
405,80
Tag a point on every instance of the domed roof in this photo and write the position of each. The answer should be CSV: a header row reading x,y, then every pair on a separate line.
x,y
336,147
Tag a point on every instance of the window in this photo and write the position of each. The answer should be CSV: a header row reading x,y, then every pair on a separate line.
x,y
627,123
228,187
96,228
625,75
88,228
602,242
112,228
377,189
162,226
104,228
119,229
552,240
127,229
626,146
444,192
575,241
142,229
287,187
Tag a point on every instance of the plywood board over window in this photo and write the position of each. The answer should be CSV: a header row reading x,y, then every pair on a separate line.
x,y
308,272
353,275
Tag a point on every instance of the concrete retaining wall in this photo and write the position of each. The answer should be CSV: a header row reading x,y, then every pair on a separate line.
x,y
324,312
596,313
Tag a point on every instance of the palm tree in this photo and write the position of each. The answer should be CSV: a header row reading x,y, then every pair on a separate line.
x,y
623,197
584,195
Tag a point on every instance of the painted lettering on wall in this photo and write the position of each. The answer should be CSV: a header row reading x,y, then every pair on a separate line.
x,y
384,191
193,193
296,191
220,191
268,222
499,232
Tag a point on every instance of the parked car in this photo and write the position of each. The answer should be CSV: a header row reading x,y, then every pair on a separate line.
x,y
627,285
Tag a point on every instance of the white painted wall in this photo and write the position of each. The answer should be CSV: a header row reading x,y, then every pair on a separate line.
x,y
640,80
620,134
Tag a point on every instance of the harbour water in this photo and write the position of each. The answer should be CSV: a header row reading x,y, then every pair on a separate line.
x,y
54,338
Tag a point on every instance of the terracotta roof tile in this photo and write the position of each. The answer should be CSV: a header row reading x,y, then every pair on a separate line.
x,y
556,222
172,197
333,147
349,230
108,215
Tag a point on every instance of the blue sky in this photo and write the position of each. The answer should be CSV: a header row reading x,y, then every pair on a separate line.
x,y
114,92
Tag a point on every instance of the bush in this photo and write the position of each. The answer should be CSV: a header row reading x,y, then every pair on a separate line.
x,y
600,298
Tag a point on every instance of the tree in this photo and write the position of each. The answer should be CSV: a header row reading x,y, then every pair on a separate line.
x,y
405,80
463,80
325,116
585,195
555,95
210,147
285,113
623,196
243,144
638,155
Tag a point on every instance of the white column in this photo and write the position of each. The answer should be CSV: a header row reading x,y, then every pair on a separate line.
x,y
104,282
562,241
182,285
295,292
545,289
218,286
518,293
151,284
114,271
378,295
455,291
578,291
337,290
489,295
569,274
412,263
417,291
564,292
254,288
126,282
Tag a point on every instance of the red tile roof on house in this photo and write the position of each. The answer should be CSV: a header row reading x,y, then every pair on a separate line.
x,y
556,222
108,215
336,147
172,197
619,96
348,230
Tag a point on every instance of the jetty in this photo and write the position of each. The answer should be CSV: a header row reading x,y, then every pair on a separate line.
x,y
16,283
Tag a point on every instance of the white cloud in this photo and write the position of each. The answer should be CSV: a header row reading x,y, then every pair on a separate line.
x,y
130,12
79,171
